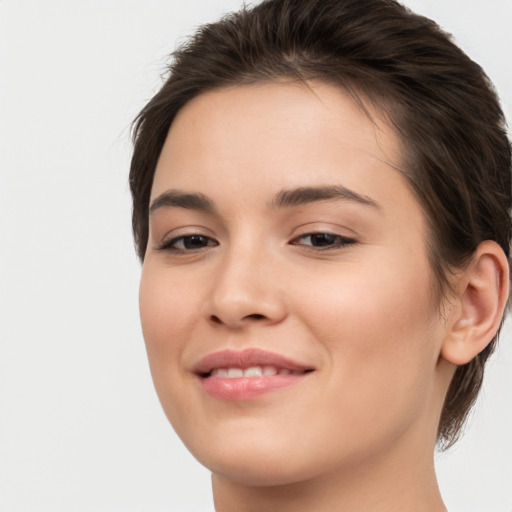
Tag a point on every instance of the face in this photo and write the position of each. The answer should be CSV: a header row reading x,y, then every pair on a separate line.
x,y
286,294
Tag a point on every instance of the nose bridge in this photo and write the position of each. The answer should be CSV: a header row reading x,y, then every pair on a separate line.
x,y
244,288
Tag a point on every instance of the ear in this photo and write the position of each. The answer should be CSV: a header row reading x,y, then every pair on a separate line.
x,y
477,309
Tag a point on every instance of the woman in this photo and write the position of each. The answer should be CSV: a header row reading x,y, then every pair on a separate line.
x,y
321,196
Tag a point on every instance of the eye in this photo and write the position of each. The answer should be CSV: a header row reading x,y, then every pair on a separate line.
x,y
188,243
322,241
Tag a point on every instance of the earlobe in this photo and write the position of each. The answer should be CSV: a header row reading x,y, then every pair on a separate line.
x,y
481,297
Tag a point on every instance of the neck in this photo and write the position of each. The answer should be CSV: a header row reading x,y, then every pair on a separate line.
x,y
384,485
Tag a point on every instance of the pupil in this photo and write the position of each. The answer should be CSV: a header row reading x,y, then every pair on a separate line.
x,y
194,242
320,239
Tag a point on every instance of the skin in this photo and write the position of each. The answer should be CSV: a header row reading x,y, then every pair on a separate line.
x,y
359,432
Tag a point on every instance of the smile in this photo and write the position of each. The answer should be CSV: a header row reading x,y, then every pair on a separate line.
x,y
242,375
253,371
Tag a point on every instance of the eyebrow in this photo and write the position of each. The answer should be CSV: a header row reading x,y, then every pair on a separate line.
x,y
283,199
179,199
305,195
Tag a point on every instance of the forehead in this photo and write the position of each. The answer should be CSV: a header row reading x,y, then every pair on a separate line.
x,y
256,130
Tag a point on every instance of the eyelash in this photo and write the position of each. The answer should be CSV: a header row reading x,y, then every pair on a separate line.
x,y
170,245
340,242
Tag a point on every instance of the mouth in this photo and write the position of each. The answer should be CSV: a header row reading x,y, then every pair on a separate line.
x,y
252,371
241,375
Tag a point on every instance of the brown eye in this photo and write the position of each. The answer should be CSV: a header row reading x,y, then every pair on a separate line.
x,y
189,243
323,241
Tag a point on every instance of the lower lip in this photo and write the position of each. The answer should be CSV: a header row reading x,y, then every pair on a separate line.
x,y
244,388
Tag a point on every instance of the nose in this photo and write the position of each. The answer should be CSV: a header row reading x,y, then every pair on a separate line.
x,y
245,291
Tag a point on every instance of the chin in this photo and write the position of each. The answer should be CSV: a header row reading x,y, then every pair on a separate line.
x,y
257,475
268,457
262,459
258,471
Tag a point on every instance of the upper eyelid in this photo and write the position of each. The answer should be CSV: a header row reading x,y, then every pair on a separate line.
x,y
312,233
328,225
321,231
295,236
306,230
184,231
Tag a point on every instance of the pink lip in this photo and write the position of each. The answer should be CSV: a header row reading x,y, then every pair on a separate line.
x,y
244,388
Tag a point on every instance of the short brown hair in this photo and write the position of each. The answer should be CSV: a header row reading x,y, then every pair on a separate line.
x,y
457,156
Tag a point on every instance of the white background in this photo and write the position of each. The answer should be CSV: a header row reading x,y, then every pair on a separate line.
x,y
80,426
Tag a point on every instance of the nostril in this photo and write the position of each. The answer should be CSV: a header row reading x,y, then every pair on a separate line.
x,y
236,321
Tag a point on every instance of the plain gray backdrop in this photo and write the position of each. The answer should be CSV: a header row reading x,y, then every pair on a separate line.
x,y
81,429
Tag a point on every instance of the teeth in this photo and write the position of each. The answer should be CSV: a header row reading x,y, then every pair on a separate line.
x,y
269,370
233,373
253,371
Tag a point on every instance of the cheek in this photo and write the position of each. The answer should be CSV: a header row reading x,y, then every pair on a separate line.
x,y
376,332
167,315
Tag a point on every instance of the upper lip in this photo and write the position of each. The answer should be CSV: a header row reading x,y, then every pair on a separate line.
x,y
245,359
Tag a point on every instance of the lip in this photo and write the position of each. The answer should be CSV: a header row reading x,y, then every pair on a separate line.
x,y
244,388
